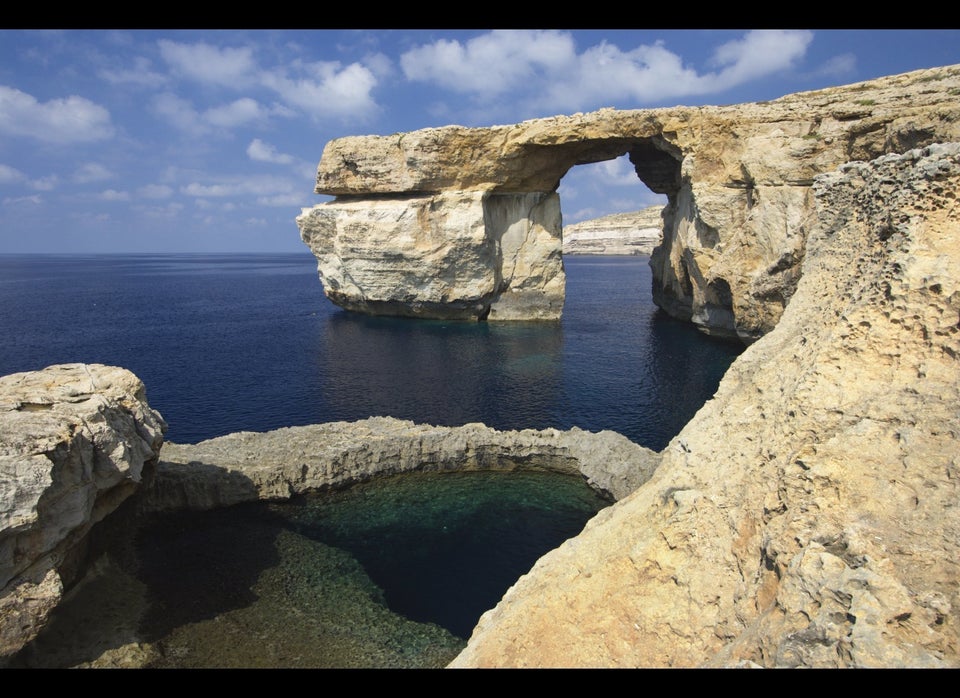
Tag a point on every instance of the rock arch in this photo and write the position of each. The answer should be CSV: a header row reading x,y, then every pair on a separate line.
x,y
465,223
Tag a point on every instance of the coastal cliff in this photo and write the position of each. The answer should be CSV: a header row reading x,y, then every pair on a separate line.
x,y
76,440
635,232
458,222
807,516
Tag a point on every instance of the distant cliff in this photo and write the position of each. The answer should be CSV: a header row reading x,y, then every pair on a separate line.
x,y
636,232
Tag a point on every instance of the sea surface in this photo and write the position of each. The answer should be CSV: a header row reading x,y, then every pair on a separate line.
x,y
393,573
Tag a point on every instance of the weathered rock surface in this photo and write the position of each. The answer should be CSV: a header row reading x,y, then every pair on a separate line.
x,y
461,255
635,232
75,441
465,222
808,515
249,466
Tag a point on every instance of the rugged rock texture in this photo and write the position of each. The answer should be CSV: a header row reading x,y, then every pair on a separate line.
x,y
462,255
75,441
808,515
465,222
277,464
636,232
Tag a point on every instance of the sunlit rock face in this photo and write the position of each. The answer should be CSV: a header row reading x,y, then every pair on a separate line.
x,y
75,441
807,516
632,233
461,255
439,242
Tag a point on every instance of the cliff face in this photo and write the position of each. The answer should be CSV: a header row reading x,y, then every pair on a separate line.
x,y
636,232
465,222
75,441
807,516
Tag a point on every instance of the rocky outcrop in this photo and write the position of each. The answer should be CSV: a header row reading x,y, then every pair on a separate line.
x,y
633,233
807,516
75,441
461,255
465,222
278,464
78,440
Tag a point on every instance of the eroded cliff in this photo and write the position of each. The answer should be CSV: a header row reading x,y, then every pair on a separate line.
x,y
807,516
75,441
635,232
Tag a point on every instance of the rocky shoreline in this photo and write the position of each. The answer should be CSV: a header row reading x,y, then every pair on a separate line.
x,y
805,517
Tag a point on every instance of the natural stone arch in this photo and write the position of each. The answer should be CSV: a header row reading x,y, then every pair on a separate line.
x,y
465,223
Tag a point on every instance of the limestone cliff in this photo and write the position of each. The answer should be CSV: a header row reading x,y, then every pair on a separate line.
x,y
635,232
466,222
807,516
75,441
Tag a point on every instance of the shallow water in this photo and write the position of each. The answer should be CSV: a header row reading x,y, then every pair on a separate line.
x,y
392,573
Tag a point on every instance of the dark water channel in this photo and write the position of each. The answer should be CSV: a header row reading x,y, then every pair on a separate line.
x,y
391,573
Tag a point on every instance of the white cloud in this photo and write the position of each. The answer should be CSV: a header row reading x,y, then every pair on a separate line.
x,y
10,175
328,90
179,113
155,191
263,186
264,152
617,173
47,183
322,89
844,64
239,112
170,210
293,200
114,195
757,54
543,67
491,63
197,189
140,75
91,172
231,67
17,200
65,120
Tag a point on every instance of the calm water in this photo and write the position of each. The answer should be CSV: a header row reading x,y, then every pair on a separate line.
x,y
230,343
393,573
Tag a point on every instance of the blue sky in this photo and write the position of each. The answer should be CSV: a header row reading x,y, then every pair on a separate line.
x,y
208,141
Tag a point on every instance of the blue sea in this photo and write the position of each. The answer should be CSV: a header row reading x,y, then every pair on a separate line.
x,y
393,573
228,343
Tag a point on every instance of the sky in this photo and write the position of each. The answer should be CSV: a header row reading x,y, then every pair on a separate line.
x,y
207,141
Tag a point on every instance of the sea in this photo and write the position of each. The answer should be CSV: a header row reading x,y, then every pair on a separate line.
x,y
393,573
